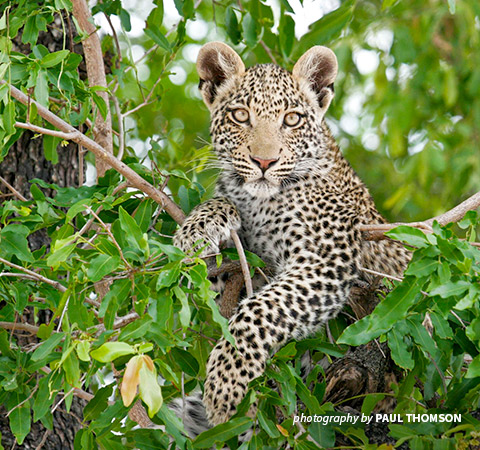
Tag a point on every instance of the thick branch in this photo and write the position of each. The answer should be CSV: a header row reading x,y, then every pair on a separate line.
x,y
376,232
92,50
133,178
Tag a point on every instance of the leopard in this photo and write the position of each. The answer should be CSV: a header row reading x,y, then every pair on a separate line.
x,y
294,200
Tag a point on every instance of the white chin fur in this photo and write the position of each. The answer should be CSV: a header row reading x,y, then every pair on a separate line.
x,y
261,189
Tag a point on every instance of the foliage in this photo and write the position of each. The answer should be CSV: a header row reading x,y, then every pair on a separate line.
x,y
159,315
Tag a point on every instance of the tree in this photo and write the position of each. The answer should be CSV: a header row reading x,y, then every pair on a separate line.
x,y
120,299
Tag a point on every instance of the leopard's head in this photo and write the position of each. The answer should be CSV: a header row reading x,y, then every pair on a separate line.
x,y
267,123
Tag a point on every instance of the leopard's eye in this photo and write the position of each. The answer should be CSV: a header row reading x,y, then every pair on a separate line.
x,y
292,119
240,115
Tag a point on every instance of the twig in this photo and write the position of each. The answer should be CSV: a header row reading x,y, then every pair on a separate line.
x,y
243,262
35,275
268,52
115,38
13,190
146,101
23,401
380,274
29,126
121,135
133,178
112,237
90,221
19,326
44,439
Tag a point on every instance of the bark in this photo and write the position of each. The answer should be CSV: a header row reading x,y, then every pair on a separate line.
x,y
24,162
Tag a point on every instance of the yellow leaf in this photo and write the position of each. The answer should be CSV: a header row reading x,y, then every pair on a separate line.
x,y
131,378
282,430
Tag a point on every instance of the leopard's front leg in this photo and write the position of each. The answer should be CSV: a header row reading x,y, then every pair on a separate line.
x,y
292,306
209,222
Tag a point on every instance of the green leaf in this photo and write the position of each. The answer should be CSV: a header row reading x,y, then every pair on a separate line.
x,y
370,402
83,348
441,326
52,59
286,34
231,25
250,30
41,88
186,361
267,425
154,33
111,350
42,402
184,313
137,329
149,389
409,235
402,357
450,289
222,432
422,267
47,346
143,215
421,336
9,117
101,104
474,368
173,253
58,256
13,242
50,144
328,27
102,265
222,321
19,417
169,275
97,404
72,369
389,311
133,232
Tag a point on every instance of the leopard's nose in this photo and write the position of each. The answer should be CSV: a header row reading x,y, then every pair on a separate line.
x,y
264,164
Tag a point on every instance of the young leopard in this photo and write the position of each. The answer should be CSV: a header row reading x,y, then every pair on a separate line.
x,y
295,202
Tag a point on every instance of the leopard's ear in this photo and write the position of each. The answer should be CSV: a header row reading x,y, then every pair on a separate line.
x,y
318,68
216,64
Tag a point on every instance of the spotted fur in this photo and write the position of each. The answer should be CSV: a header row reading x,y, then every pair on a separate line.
x,y
295,202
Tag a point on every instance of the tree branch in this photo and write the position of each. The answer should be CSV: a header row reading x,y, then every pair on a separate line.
x,y
133,178
243,262
375,232
35,275
92,50
13,190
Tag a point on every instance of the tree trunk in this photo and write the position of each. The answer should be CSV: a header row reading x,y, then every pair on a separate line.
x,y
24,162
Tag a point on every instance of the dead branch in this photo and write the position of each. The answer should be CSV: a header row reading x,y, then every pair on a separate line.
x,y
92,51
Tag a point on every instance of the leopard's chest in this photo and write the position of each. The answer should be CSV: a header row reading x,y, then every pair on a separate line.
x,y
280,228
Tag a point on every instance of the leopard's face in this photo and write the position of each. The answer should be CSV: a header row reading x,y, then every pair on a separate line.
x,y
266,122
265,130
